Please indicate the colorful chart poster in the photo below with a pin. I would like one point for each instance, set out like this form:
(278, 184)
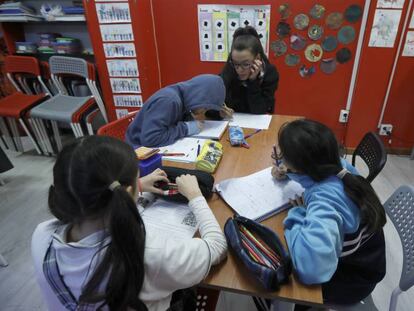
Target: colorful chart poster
(390, 4)
(118, 32)
(122, 85)
(109, 13)
(122, 68)
(409, 45)
(114, 50)
(217, 23)
(385, 28)
(128, 100)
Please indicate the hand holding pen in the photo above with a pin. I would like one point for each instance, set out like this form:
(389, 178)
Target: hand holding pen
(279, 170)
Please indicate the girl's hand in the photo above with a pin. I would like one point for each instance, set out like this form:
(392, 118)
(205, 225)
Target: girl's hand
(255, 70)
(297, 201)
(147, 182)
(279, 171)
(188, 186)
(226, 112)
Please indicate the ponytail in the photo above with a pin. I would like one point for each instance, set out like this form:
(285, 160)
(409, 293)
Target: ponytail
(124, 257)
(90, 179)
(363, 195)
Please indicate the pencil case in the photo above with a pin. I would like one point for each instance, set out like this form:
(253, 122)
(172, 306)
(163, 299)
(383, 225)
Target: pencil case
(210, 156)
(260, 250)
(205, 182)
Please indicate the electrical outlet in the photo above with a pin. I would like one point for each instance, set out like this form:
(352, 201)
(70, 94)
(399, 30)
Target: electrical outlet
(385, 129)
(343, 116)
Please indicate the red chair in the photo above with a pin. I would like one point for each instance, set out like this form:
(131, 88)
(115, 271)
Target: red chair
(14, 107)
(117, 128)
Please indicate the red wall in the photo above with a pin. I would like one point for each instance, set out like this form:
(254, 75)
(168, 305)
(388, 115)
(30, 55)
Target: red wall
(322, 96)
(373, 77)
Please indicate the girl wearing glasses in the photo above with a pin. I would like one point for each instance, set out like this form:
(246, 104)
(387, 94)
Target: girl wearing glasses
(250, 80)
(98, 254)
(334, 232)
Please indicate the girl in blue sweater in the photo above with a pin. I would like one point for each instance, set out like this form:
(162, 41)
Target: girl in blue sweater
(334, 232)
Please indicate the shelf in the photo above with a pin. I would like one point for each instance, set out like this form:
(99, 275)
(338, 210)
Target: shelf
(39, 19)
(46, 56)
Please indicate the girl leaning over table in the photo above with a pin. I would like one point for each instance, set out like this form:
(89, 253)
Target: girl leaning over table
(334, 231)
(96, 253)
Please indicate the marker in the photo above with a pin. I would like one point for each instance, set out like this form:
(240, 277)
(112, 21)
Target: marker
(278, 162)
(198, 149)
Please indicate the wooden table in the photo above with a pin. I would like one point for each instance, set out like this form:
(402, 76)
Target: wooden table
(231, 275)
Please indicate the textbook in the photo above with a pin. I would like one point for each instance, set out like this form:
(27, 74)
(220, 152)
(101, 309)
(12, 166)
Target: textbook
(258, 196)
(212, 129)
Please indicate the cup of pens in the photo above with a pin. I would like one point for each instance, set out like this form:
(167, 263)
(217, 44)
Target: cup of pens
(260, 250)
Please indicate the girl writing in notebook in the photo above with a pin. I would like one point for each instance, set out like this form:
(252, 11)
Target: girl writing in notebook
(97, 252)
(334, 232)
(250, 80)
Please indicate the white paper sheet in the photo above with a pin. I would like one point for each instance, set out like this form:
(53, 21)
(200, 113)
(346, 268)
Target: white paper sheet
(118, 32)
(390, 4)
(252, 121)
(385, 28)
(212, 129)
(113, 12)
(187, 145)
(256, 195)
(409, 44)
(169, 219)
(411, 25)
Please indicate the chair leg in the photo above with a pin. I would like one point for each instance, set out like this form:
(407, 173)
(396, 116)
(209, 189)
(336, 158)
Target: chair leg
(26, 129)
(394, 298)
(16, 135)
(56, 134)
(3, 262)
(39, 137)
(7, 136)
(45, 137)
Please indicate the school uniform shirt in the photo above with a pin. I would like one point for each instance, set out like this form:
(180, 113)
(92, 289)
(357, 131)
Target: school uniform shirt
(251, 96)
(170, 264)
(162, 119)
(328, 243)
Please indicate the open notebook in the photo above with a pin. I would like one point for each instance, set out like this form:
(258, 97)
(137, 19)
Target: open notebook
(187, 145)
(212, 129)
(258, 196)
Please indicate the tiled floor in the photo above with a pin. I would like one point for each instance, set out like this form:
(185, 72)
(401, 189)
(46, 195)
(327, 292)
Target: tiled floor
(23, 205)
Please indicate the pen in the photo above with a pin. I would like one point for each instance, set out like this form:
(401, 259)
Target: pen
(278, 162)
(250, 135)
(198, 149)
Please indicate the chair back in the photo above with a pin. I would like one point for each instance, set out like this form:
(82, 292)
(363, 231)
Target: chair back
(371, 149)
(117, 129)
(69, 66)
(400, 209)
(22, 65)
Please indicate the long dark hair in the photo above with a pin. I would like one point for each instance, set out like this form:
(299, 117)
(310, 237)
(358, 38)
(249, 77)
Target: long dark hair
(82, 175)
(312, 149)
(244, 38)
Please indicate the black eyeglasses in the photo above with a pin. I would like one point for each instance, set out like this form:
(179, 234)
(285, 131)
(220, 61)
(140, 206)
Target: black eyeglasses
(244, 66)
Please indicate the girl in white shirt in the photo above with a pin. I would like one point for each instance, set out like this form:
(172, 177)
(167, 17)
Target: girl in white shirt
(96, 254)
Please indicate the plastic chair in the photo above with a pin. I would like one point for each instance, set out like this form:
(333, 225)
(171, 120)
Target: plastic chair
(372, 151)
(400, 209)
(117, 128)
(15, 106)
(206, 299)
(62, 107)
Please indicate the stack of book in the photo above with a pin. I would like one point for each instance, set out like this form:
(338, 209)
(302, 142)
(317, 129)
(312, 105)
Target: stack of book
(16, 11)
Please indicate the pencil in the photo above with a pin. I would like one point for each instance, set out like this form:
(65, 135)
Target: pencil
(250, 135)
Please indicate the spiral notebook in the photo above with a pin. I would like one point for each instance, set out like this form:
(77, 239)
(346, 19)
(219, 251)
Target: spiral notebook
(258, 196)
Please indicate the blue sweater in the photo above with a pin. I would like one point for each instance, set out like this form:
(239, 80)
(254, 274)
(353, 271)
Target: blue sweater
(315, 234)
(161, 121)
